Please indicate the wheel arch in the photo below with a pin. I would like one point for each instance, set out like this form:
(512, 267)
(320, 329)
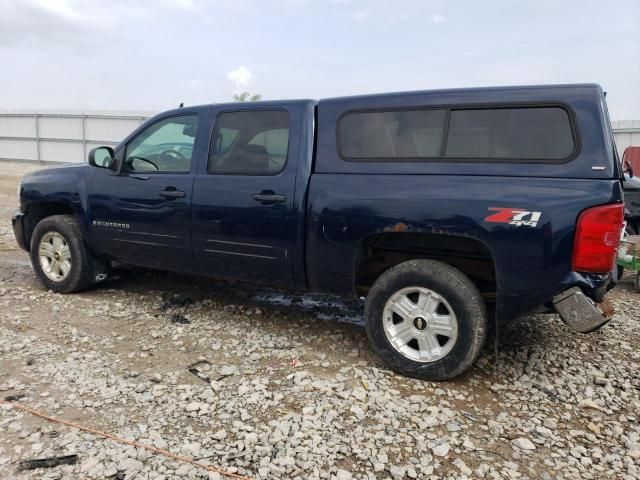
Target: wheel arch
(379, 252)
(38, 211)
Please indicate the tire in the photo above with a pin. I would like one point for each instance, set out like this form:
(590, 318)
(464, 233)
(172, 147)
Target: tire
(633, 228)
(455, 294)
(50, 230)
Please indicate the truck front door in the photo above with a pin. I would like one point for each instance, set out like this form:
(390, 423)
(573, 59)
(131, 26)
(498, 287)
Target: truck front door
(142, 214)
(245, 221)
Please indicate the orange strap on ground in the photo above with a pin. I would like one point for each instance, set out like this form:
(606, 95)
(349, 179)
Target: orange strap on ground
(159, 451)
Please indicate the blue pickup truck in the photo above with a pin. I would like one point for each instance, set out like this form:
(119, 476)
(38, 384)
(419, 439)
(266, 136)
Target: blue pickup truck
(443, 208)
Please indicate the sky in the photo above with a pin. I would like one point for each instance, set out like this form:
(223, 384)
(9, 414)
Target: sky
(139, 55)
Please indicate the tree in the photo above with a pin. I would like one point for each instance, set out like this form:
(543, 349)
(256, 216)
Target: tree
(246, 97)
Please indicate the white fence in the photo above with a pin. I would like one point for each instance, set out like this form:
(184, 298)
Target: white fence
(68, 137)
(61, 137)
(626, 133)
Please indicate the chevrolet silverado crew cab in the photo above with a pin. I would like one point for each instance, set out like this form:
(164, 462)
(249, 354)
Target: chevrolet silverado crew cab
(437, 206)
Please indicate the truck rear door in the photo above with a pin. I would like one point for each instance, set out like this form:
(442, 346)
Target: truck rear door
(245, 217)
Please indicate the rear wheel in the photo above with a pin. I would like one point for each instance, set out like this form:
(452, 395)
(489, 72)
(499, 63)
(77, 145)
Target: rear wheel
(59, 256)
(426, 319)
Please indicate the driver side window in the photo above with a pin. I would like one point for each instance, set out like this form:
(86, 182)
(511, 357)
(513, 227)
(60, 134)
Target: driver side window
(166, 146)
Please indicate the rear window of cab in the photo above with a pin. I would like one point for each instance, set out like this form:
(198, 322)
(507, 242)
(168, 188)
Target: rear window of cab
(525, 134)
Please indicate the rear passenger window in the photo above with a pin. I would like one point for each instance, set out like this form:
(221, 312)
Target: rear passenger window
(250, 143)
(540, 133)
(389, 135)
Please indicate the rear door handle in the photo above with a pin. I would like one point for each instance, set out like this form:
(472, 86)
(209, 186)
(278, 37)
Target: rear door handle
(269, 197)
(171, 193)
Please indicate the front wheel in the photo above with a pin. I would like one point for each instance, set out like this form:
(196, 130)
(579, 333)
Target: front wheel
(426, 319)
(59, 256)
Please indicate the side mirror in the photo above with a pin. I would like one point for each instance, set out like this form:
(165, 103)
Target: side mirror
(626, 168)
(189, 130)
(101, 157)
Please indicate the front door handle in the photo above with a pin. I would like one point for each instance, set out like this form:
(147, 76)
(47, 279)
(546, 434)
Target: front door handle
(268, 197)
(171, 193)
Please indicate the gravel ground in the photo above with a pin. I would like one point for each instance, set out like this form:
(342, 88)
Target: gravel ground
(285, 387)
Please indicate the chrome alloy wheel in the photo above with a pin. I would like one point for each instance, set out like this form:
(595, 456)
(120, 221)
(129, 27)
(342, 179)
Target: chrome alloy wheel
(420, 324)
(55, 256)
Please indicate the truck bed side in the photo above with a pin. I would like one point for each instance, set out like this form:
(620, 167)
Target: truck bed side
(352, 217)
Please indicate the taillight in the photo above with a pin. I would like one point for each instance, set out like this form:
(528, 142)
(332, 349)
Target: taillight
(597, 238)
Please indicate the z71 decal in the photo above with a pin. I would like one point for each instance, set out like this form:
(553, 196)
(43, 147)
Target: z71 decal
(513, 216)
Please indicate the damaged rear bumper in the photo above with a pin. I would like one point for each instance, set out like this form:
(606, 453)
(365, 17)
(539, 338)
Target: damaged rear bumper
(580, 313)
